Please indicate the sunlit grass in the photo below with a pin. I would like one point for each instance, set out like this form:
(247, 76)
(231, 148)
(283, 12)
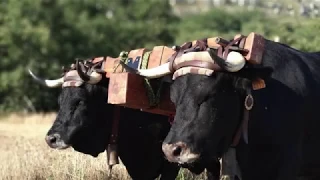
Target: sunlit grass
(25, 155)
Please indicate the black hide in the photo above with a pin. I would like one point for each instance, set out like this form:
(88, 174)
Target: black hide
(283, 125)
(84, 122)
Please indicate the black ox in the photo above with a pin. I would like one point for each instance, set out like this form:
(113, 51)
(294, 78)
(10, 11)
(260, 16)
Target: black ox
(282, 138)
(84, 122)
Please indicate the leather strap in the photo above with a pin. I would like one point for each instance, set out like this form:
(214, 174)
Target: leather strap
(200, 45)
(200, 64)
(224, 51)
(178, 53)
(72, 78)
(243, 128)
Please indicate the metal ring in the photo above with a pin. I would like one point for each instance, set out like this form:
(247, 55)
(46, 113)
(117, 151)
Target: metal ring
(248, 102)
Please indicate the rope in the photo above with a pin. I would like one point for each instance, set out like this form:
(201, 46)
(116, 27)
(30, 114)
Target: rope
(154, 99)
(159, 92)
(123, 57)
(150, 92)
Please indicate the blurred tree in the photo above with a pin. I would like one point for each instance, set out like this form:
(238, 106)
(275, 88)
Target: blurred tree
(302, 35)
(46, 34)
(220, 22)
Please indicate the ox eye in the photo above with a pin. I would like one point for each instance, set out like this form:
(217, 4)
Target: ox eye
(77, 103)
(80, 102)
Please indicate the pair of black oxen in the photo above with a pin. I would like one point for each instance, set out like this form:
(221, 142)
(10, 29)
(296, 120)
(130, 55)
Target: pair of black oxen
(282, 139)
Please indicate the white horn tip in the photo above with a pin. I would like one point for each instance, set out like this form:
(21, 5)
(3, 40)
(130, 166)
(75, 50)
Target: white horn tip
(33, 75)
(49, 83)
(236, 61)
(30, 72)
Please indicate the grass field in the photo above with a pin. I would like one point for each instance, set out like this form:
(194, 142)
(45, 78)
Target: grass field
(24, 154)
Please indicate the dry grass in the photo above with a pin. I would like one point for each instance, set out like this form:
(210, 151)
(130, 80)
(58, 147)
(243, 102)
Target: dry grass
(25, 155)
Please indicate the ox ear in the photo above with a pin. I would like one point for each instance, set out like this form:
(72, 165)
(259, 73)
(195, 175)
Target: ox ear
(252, 72)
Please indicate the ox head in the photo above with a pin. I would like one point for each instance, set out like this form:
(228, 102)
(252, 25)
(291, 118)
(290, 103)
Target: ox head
(209, 103)
(81, 121)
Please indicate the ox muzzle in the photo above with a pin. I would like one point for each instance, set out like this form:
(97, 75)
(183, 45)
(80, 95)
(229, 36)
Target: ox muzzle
(179, 153)
(54, 141)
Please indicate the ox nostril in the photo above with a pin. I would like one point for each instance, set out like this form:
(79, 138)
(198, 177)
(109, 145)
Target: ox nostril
(174, 151)
(55, 141)
(177, 151)
(52, 139)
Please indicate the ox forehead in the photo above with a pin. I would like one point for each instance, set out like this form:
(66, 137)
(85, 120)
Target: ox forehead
(72, 79)
(90, 76)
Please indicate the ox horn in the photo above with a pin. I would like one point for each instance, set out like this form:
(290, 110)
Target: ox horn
(80, 69)
(93, 78)
(233, 63)
(152, 73)
(46, 82)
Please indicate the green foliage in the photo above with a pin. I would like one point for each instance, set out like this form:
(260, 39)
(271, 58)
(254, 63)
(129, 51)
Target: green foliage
(46, 34)
(298, 33)
(219, 22)
(301, 36)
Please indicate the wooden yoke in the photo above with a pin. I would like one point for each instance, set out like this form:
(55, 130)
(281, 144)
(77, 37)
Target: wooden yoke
(129, 90)
(254, 43)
